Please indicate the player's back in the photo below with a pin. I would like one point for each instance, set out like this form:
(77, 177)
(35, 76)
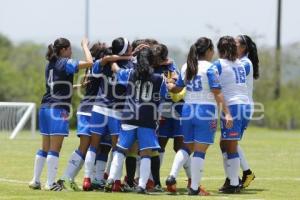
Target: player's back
(143, 98)
(233, 81)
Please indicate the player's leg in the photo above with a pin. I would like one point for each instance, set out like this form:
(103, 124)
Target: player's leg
(147, 140)
(126, 140)
(98, 128)
(41, 155)
(131, 166)
(77, 158)
(230, 139)
(183, 154)
(248, 175)
(100, 165)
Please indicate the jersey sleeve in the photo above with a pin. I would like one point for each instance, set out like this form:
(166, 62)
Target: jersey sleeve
(247, 66)
(213, 75)
(72, 66)
(96, 69)
(180, 81)
(123, 76)
(172, 67)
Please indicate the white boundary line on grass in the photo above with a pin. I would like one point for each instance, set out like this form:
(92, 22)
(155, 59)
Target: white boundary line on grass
(180, 178)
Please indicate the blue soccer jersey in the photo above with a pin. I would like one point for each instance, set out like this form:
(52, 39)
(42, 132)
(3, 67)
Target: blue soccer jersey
(111, 94)
(59, 83)
(143, 98)
(91, 89)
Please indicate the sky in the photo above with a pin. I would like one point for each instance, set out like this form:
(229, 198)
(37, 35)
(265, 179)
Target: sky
(174, 22)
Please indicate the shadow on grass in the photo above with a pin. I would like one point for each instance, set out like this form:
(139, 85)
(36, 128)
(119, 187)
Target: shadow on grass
(183, 191)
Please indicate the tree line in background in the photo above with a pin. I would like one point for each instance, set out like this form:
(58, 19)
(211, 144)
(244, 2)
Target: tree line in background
(22, 79)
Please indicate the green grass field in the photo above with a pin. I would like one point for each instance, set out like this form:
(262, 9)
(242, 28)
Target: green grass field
(274, 156)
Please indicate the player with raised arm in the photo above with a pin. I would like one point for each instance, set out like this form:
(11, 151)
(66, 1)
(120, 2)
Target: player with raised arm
(55, 107)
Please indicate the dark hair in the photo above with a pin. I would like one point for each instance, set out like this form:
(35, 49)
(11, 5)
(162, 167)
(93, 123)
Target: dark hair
(54, 49)
(197, 51)
(227, 48)
(98, 50)
(144, 68)
(117, 45)
(160, 52)
(147, 41)
(251, 50)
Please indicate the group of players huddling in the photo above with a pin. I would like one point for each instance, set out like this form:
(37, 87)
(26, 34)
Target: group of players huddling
(135, 100)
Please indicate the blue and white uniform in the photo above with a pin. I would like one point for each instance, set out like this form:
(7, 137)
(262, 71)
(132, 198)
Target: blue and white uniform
(232, 78)
(109, 102)
(199, 113)
(84, 112)
(140, 114)
(246, 62)
(169, 127)
(56, 102)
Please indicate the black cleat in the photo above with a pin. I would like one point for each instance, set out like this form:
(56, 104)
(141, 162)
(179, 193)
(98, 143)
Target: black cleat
(231, 189)
(171, 184)
(226, 184)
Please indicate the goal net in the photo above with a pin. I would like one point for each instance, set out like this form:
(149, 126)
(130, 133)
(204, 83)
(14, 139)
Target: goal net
(15, 115)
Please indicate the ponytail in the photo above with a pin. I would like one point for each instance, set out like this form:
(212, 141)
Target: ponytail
(251, 50)
(51, 55)
(197, 52)
(54, 49)
(192, 64)
(144, 64)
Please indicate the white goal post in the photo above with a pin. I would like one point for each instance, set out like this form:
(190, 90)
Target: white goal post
(14, 115)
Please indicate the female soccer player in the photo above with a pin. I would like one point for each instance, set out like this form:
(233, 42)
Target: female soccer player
(232, 76)
(101, 55)
(108, 103)
(199, 113)
(169, 126)
(55, 107)
(143, 96)
(247, 54)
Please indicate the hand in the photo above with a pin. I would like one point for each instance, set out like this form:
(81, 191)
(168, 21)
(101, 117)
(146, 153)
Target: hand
(84, 42)
(228, 121)
(140, 47)
(170, 86)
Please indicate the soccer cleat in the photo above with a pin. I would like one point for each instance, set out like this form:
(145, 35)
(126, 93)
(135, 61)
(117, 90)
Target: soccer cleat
(68, 185)
(98, 185)
(109, 185)
(247, 179)
(34, 185)
(128, 188)
(87, 185)
(157, 188)
(201, 191)
(117, 186)
(54, 187)
(226, 184)
(231, 189)
(150, 184)
(171, 184)
(140, 190)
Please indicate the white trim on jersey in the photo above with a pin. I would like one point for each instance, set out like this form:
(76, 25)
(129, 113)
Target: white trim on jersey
(107, 112)
(84, 113)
